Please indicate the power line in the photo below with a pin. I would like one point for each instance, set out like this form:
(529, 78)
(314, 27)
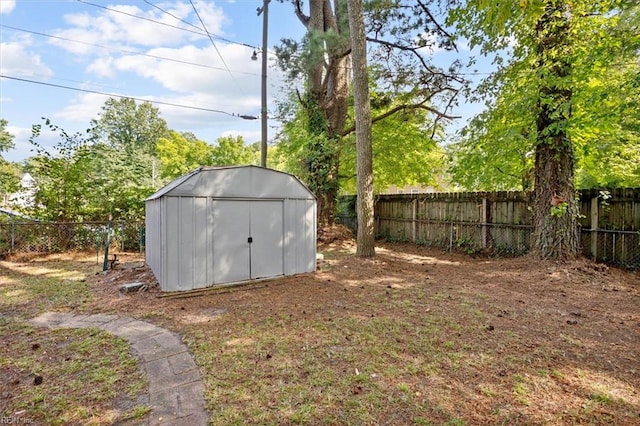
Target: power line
(130, 52)
(171, 14)
(204, 27)
(243, 116)
(195, 26)
(198, 32)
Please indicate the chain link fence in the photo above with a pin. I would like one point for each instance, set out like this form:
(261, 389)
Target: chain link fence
(614, 247)
(56, 237)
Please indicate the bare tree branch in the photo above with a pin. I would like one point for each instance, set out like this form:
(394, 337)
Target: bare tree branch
(415, 53)
(426, 10)
(404, 107)
(297, 4)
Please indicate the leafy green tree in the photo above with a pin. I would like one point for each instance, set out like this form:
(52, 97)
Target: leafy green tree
(180, 153)
(9, 172)
(496, 149)
(400, 37)
(127, 168)
(405, 151)
(323, 59)
(230, 150)
(107, 172)
(121, 181)
(63, 192)
(125, 125)
(6, 138)
(540, 97)
(607, 129)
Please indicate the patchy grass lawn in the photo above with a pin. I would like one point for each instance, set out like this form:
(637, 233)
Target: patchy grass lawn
(63, 376)
(414, 336)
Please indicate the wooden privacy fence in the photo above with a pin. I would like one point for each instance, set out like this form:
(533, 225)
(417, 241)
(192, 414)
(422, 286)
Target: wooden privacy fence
(500, 222)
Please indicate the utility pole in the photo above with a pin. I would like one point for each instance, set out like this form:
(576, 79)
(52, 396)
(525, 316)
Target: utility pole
(264, 10)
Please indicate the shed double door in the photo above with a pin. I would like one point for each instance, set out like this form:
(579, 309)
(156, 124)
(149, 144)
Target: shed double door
(248, 240)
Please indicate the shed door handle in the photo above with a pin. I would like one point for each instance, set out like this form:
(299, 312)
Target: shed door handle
(250, 240)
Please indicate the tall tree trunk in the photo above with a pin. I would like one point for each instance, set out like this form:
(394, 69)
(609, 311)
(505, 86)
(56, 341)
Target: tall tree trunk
(364, 151)
(555, 207)
(326, 100)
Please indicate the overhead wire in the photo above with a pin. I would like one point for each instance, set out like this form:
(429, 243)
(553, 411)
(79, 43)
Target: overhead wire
(199, 31)
(130, 52)
(204, 27)
(204, 33)
(166, 12)
(60, 86)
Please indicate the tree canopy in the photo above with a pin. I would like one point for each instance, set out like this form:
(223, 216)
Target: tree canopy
(495, 150)
(110, 169)
(567, 80)
(544, 106)
(400, 38)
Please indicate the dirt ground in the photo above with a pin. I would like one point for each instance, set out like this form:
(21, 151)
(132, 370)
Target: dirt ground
(593, 300)
(544, 315)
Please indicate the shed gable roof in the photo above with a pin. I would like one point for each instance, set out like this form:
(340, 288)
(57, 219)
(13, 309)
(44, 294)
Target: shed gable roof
(235, 182)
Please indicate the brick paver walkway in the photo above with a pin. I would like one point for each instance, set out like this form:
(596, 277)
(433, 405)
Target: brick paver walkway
(175, 386)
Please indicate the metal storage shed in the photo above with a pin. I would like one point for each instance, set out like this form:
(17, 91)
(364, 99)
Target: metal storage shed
(219, 225)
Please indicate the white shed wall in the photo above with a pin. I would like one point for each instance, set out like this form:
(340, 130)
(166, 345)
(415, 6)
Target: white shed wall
(199, 225)
(188, 243)
(153, 237)
(300, 236)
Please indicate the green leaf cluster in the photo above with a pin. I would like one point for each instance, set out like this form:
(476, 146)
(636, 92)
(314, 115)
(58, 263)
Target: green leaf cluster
(9, 172)
(405, 151)
(495, 150)
(126, 155)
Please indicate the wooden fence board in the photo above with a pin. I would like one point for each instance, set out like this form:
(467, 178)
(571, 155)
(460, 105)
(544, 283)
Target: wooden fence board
(501, 221)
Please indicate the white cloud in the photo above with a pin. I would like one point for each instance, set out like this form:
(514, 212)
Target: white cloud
(6, 6)
(182, 77)
(18, 61)
(236, 92)
(122, 27)
(82, 108)
(102, 67)
(23, 147)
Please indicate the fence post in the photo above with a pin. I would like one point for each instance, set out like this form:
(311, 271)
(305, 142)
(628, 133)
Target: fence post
(451, 238)
(485, 218)
(414, 216)
(594, 227)
(13, 236)
(105, 263)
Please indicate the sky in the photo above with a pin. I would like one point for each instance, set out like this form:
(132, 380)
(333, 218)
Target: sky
(84, 46)
(62, 59)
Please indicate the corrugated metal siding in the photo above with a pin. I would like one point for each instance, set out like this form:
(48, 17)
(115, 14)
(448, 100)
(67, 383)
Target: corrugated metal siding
(185, 251)
(231, 220)
(300, 236)
(188, 250)
(237, 182)
(171, 228)
(153, 237)
(267, 232)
